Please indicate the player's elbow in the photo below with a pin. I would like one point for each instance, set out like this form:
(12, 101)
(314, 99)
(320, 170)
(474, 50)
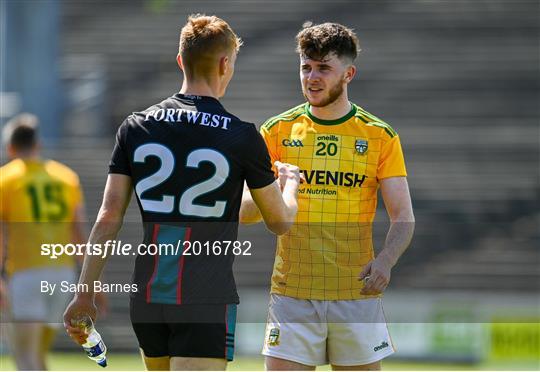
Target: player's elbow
(249, 220)
(279, 228)
(249, 216)
(111, 217)
(402, 215)
(281, 224)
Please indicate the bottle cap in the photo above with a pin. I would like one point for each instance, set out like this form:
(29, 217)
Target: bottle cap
(103, 362)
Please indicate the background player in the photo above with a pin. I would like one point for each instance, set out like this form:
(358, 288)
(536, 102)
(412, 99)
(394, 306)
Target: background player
(41, 201)
(321, 310)
(187, 159)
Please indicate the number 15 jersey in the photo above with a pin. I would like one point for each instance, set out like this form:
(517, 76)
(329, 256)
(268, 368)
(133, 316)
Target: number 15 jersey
(39, 199)
(188, 159)
(343, 161)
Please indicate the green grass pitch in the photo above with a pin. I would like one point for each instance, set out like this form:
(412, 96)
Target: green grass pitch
(73, 361)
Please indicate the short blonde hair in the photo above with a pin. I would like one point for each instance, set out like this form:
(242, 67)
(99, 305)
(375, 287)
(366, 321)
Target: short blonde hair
(201, 39)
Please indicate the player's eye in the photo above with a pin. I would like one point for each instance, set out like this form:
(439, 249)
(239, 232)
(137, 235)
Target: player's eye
(306, 68)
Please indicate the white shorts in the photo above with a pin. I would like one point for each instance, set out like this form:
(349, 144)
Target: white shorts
(29, 304)
(312, 332)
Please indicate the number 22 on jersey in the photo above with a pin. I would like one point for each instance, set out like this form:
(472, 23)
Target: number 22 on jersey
(186, 204)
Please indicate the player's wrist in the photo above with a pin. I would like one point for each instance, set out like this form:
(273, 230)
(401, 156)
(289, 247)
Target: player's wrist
(388, 258)
(86, 296)
(292, 183)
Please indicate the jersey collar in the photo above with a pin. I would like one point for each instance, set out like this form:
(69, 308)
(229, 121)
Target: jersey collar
(330, 122)
(195, 98)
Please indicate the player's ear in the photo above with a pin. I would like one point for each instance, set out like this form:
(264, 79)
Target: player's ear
(350, 72)
(223, 65)
(179, 61)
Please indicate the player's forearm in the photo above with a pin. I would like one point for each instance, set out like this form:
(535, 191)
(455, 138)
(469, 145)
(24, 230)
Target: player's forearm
(282, 219)
(249, 212)
(93, 265)
(290, 198)
(398, 239)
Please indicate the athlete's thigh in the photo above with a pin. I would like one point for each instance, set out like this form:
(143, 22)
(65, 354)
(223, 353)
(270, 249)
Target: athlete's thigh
(202, 331)
(375, 366)
(198, 364)
(156, 364)
(151, 331)
(295, 332)
(357, 333)
(278, 364)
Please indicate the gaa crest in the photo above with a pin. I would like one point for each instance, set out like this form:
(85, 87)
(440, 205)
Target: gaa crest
(273, 337)
(361, 146)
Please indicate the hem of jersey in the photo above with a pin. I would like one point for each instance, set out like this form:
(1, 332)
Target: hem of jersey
(374, 359)
(367, 297)
(290, 358)
(393, 175)
(263, 185)
(331, 122)
(119, 171)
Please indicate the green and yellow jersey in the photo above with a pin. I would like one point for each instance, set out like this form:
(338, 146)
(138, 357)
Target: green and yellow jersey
(343, 161)
(38, 202)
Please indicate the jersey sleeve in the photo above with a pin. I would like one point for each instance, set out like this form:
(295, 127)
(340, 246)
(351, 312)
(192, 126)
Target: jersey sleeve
(391, 160)
(73, 183)
(119, 162)
(4, 199)
(258, 169)
(78, 196)
(270, 139)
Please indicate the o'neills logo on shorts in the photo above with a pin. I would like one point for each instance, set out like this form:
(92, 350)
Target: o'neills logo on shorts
(383, 345)
(273, 337)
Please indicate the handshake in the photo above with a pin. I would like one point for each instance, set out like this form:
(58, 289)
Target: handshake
(288, 173)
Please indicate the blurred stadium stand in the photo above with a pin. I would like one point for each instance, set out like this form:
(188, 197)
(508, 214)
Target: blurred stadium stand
(458, 80)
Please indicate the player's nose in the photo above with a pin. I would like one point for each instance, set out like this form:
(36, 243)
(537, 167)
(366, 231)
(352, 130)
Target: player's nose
(313, 76)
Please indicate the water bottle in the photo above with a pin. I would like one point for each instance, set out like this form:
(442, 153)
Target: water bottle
(95, 347)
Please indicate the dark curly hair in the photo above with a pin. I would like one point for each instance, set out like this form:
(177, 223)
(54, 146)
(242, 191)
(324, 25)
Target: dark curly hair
(317, 41)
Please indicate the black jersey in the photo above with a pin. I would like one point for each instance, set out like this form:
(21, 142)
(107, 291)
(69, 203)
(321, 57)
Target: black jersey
(188, 159)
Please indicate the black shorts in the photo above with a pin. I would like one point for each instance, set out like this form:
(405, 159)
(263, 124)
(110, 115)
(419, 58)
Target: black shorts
(193, 331)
